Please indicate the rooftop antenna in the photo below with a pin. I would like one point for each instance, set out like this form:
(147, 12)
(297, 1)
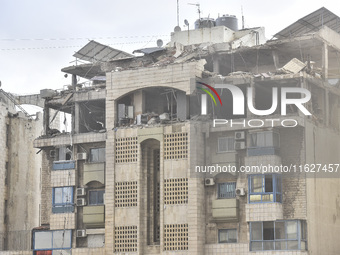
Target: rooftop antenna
(178, 13)
(186, 23)
(198, 9)
(242, 17)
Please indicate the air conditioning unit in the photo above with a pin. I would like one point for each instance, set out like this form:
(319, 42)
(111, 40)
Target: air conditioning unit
(209, 182)
(81, 192)
(81, 156)
(81, 202)
(53, 153)
(240, 191)
(81, 232)
(240, 145)
(240, 135)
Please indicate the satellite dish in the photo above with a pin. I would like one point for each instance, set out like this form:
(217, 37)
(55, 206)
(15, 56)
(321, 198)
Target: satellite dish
(186, 22)
(177, 29)
(159, 43)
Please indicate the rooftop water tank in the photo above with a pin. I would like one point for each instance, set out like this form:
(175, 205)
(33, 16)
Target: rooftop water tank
(204, 23)
(229, 21)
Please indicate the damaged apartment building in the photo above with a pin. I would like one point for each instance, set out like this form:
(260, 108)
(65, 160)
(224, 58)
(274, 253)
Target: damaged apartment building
(124, 180)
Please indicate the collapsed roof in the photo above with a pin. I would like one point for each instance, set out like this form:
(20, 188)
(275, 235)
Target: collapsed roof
(303, 39)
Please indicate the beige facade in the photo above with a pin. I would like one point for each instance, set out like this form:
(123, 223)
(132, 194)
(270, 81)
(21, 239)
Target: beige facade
(20, 176)
(134, 176)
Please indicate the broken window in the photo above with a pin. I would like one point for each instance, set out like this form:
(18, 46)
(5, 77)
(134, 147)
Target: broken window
(226, 190)
(97, 155)
(227, 236)
(91, 116)
(151, 106)
(265, 188)
(226, 144)
(278, 235)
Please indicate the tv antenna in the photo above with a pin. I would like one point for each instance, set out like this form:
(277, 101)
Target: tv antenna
(186, 23)
(198, 9)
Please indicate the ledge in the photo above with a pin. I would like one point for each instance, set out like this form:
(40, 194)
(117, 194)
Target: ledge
(67, 139)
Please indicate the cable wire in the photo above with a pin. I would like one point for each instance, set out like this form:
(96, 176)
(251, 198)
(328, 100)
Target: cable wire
(65, 47)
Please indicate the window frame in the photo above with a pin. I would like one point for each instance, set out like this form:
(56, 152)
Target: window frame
(227, 197)
(227, 138)
(276, 182)
(51, 248)
(298, 239)
(265, 146)
(97, 191)
(227, 230)
(97, 149)
(63, 204)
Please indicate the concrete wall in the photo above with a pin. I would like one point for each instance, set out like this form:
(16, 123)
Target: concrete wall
(323, 194)
(3, 160)
(20, 168)
(24, 181)
(219, 34)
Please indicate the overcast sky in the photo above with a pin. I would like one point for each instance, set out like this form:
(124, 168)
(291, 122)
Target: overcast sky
(39, 37)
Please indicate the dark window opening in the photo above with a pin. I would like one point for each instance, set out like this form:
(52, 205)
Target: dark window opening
(151, 168)
(96, 197)
(227, 236)
(91, 116)
(226, 190)
(152, 106)
(97, 155)
(265, 188)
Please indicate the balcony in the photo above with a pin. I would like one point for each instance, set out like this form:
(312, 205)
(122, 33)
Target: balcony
(94, 216)
(225, 210)
(94, 172)
(64, 165)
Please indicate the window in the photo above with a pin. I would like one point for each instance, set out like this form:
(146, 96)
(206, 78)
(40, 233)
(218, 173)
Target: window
(96, 197)
(226, 144)
(46, 241)
(97, 155)
(264, 139)
(227, 236)
(265, 188)
(226, 190)
(62, 200)
(278, 235)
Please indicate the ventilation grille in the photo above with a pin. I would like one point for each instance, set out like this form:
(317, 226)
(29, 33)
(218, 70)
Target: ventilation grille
(176, 191)
(175, 237)
(126, 150)
(126, 194)
(176, 146)
(126, 239)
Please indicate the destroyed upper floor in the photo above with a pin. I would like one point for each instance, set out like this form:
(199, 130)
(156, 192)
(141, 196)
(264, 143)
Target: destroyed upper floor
(306, 52)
